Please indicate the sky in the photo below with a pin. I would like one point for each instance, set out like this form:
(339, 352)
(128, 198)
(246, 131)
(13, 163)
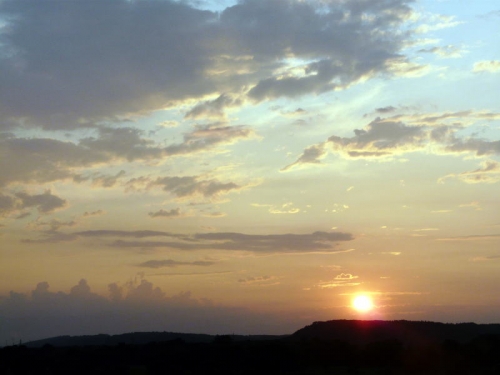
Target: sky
(246, 166)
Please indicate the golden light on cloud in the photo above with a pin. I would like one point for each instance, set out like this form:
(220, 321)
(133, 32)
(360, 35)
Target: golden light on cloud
(362, 303)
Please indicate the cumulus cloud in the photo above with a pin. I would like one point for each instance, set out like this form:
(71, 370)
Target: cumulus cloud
(72, 66)
(230, 241)
(136, 306)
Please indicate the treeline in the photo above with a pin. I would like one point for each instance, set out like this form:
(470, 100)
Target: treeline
(480, 356)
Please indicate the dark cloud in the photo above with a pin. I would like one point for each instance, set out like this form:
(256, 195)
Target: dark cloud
(72, 65)
(136, 306)
(207, 137)
(380, 137)
(189, 186)
(100, 180)
(174, 212)
(42, 160)
(123, 143)
(271, 243)
(448, 51)
(213, 108)
(96, 60)
(7, 204)
(311, 155)
(173, 263)
(45, 203)
(384, 110)
(399, 134)
(480, 147)
(45, 160)
(93, 213)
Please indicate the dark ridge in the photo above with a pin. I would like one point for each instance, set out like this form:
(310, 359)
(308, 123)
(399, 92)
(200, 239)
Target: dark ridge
(137, 338)
(408, 332)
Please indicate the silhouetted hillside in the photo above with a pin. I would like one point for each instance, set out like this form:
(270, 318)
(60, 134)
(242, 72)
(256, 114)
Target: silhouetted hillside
(136, 338)
(408, 332)
(336, 347)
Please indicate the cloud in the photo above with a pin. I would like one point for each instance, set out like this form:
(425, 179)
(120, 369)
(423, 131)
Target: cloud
(230, 241)
(476, 237)
(136, 306)
(380, 138)
(444, 52)
(174, 212)
(207, 137)
(384, 110)
(488, 173)
(485, 258)
(311, 155)
(44, 203)
(259, 280)
(173, 263)
(190, 186)
(285, 208)
(93, 213)
(52, 225)
(77, 65)
(491, 66)
(388, 137)
(213, 108)
(479, 147)
(41, 160)
(104, 181)
(335, 284)
(345, 276)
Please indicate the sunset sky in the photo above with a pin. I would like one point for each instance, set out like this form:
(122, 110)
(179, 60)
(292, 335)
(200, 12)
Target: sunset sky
(247, 167)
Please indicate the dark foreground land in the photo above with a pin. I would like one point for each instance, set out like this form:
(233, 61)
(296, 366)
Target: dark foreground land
(335, 347)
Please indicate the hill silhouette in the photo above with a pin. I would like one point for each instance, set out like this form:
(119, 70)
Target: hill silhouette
(333, 347)
(138, 338)
(408, 332)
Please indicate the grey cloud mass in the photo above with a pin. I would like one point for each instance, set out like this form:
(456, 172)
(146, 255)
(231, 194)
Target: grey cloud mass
(43, 160)
(188, 186)
(45, 203)
(271, 243)
(174, 212)
(400, 134)
(134, 306)
(72, 65)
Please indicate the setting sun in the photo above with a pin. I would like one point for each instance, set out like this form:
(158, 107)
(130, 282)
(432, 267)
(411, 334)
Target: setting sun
(362, 303)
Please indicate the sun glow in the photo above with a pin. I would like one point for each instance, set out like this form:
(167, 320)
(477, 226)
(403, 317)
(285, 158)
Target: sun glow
(362, 303)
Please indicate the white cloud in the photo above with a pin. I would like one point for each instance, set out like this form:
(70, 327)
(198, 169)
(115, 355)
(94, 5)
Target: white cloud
(491, 66)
